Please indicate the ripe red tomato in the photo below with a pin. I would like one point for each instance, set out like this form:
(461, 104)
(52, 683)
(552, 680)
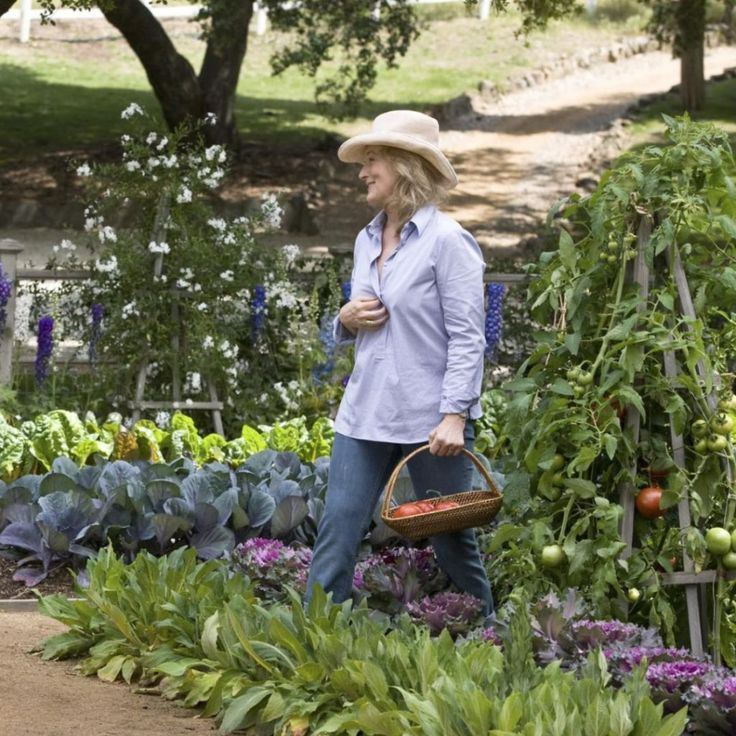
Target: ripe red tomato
(647, 502)
(443, 505)
(425, 506)
(406, 509)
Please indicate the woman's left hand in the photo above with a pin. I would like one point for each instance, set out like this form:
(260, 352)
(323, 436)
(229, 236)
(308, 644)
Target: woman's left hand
(448, 437)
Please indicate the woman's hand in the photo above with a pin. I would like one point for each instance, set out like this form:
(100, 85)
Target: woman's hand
(448, 437)
(363, 313)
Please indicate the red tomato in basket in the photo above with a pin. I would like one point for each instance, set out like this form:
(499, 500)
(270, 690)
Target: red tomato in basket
(425, 506)
(406, 509)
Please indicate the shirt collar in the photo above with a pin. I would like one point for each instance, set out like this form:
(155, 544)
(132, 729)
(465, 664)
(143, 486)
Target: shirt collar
(420, 219)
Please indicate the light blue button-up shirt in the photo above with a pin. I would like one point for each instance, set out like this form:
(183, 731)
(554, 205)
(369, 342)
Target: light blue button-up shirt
(427, 359)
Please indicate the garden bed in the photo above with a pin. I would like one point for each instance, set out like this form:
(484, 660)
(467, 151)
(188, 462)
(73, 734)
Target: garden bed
(59, 581)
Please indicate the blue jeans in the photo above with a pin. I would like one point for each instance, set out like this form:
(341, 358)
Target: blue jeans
(359, 470)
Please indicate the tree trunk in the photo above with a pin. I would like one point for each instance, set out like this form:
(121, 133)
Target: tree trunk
(691, 42)
(172, 77)
(223, 59)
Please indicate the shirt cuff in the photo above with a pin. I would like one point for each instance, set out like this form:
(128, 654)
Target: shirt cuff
(342, 334)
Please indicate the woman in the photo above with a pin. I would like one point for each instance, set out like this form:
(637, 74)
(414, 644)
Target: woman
(416, 316)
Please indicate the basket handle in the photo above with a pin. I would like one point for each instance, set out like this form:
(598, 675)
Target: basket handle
(388, 493)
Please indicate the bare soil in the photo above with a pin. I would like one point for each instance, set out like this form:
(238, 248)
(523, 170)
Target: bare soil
(50, 699)
(58, 581)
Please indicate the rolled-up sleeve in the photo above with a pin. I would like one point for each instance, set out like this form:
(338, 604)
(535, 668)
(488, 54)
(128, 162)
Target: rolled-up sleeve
(460, 270)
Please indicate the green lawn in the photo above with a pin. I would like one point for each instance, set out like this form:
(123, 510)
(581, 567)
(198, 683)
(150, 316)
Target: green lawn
(66, 94)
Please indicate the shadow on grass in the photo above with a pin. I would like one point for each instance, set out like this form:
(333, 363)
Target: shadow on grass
(37, 116)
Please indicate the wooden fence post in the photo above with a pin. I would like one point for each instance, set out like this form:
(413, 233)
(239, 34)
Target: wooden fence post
(25, 20)
(9, 250)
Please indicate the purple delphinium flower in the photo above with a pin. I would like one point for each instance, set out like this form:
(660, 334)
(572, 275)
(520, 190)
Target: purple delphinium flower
(328, 342)
(346, 289)
(494, 318)
(345, 380)
(97, 312)
(258, 309)
(45, 347)
(6, 286)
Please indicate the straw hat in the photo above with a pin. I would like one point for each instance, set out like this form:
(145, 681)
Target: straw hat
(405, 129)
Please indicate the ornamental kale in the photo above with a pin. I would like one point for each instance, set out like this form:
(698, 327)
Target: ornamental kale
(271, 565)
(455, 612)
(396, 576)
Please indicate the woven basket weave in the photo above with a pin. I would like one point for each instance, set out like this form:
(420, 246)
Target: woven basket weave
(476, 507)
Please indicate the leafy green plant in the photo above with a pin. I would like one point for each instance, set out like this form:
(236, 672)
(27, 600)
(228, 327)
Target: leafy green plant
(201, 635)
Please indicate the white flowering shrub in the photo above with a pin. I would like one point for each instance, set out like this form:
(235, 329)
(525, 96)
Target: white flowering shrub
(187, 290)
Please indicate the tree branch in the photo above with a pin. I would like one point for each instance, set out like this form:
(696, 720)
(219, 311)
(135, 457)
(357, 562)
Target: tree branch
(172, 77)
(5, 5)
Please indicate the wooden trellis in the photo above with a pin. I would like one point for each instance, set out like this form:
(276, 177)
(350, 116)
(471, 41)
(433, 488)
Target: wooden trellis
(693, 582)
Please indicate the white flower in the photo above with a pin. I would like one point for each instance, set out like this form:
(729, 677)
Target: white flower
(108, 233)
(188, 402)
(202, 306)
(182, 284)
(169, 161)
(109, 266)
(227, 276)
(271, 211)
(210, 118)
(84, 170)
(196, 381)
(155, 247)
(186, 273)
(151, 138)
(153, 162)
(208, 342)
(184, 196)
(132, 109)
(196, 287)
(163, 418)
(125, 139)
(213, 152)
(162, 144)
(130, 310)
(132, 165)
(291, 252)
(217, 223)
(55, 249)
(68, 245)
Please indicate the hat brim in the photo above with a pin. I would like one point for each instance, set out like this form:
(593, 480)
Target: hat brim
(351, 151)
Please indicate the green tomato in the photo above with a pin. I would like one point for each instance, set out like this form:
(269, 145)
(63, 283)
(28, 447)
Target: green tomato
(579, 391)
(729, 560)
(701, 446)
(718, 541)
(557, 462)
(611, 259)
(728, 403)
(699, 428)
(633, 595)
(721, 423)
(717, 442)
(552, 555)
(558, 479)
(585, 378)
(733, 540)
(572, 375)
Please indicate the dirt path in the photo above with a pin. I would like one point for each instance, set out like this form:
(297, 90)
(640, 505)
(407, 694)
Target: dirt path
(517, 156)
(49, 699)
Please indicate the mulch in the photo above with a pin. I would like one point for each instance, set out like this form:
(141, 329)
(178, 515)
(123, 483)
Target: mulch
(59, 581)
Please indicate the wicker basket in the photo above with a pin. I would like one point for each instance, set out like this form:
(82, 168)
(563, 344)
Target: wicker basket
(476, 507)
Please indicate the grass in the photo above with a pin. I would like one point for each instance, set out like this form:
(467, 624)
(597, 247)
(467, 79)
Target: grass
(66, 89)
(719, 109)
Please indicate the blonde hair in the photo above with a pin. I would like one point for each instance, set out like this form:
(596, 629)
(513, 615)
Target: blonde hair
(417, 183)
